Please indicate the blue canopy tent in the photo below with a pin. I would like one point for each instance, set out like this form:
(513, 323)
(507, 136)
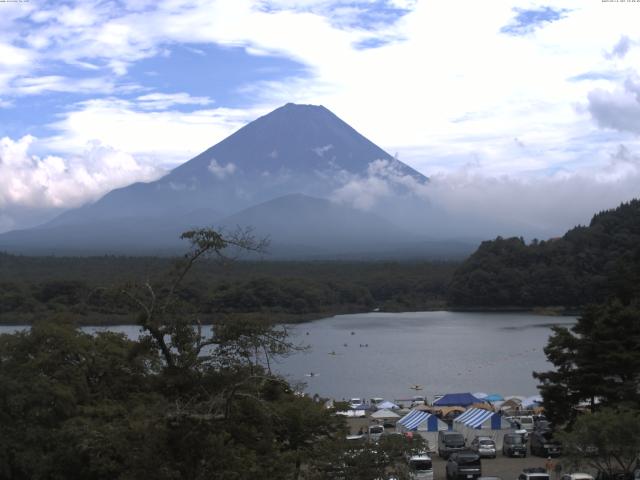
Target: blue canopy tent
(494, 397)
(456, 400)
(479, 422)
(425, 424)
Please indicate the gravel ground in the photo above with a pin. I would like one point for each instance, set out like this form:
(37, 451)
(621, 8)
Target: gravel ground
(503, 467)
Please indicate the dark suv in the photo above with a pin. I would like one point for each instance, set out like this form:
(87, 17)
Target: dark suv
(464, 465)
(449, 442)
(513, 445)
(544, 445)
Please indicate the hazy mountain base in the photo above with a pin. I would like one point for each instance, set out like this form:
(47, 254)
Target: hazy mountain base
(298, 227)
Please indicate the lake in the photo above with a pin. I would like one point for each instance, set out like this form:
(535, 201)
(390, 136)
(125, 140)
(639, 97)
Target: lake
(444, 352)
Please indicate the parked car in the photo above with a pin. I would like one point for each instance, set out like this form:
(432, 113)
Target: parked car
(534, 473)
(464, 465)
(420, 467)
(449, 442)
(418, 400)
(543, 444)
(576, 476)
(484, 446)
(526, 422)
(375, 432)
(513, 445)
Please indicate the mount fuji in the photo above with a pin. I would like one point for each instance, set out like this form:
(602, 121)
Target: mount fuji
(293, 175)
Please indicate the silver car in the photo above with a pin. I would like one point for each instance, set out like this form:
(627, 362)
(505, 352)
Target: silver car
(484, 446)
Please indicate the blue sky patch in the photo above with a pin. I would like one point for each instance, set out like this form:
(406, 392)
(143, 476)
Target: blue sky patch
(211, 71)
(32, 114)
(363, 14)
(370, 43)
(526, 21)
(369, 16)
(594, 76)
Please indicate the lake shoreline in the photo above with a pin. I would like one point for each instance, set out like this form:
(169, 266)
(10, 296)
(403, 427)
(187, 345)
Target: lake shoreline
(290, 318)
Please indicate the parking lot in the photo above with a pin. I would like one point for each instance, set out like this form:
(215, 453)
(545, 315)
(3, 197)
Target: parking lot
(503, 467)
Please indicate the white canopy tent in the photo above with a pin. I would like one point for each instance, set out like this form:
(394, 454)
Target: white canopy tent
(479, 422)
(384, 415)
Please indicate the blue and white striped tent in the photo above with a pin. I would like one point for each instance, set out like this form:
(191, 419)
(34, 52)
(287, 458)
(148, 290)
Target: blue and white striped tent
(425, 424)
(480, 422)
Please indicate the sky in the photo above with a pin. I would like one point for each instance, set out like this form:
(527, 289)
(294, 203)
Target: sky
(527, 109)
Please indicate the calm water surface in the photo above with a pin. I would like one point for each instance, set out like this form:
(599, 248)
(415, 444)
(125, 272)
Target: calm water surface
(442, 351)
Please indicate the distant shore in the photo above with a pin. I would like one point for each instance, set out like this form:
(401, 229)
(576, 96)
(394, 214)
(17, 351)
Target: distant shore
(104, 320)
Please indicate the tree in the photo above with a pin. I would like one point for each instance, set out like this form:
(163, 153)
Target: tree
(606, 441)
(177, 403)
(343, 459)
(597, 362)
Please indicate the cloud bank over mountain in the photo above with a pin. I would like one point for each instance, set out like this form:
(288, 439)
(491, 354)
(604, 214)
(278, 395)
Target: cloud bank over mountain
(510, 92)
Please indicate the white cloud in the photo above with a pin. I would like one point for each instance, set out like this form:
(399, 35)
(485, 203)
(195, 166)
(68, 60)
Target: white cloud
(381, 181)
(167, 136)
(162, 101)
(320, 151)
(448, 91)
(471, 202)
(57, 83)
(222, 171)
(27, 180)
(618, 109)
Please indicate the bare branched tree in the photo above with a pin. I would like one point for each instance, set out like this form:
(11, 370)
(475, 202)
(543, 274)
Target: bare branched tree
(178, 335)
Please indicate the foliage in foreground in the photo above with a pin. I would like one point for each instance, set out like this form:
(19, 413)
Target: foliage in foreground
(73, 405)
(606, 441)
(597, 362)
(177, 403)
(174, 404)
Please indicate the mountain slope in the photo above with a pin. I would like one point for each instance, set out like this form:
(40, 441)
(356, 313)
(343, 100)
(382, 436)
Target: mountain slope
(297, 220)
(294, 149)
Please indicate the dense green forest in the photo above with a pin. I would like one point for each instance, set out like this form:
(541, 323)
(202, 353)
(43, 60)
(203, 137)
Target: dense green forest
(177, 403)
(586, 265)
(90, 287)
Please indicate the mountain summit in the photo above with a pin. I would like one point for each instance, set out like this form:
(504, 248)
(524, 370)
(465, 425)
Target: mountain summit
(295, 149)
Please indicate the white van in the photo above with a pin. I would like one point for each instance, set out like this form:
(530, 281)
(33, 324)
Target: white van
(420, 467)
(526, 423)
(375, 432)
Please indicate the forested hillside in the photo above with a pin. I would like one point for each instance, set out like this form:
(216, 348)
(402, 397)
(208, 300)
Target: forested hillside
(89, 287)
(586, 265)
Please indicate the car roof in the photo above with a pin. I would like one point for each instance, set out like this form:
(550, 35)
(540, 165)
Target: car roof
(421, 456)
(465, 453)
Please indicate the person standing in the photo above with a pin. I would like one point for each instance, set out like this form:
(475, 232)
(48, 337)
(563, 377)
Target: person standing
(549, 466)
